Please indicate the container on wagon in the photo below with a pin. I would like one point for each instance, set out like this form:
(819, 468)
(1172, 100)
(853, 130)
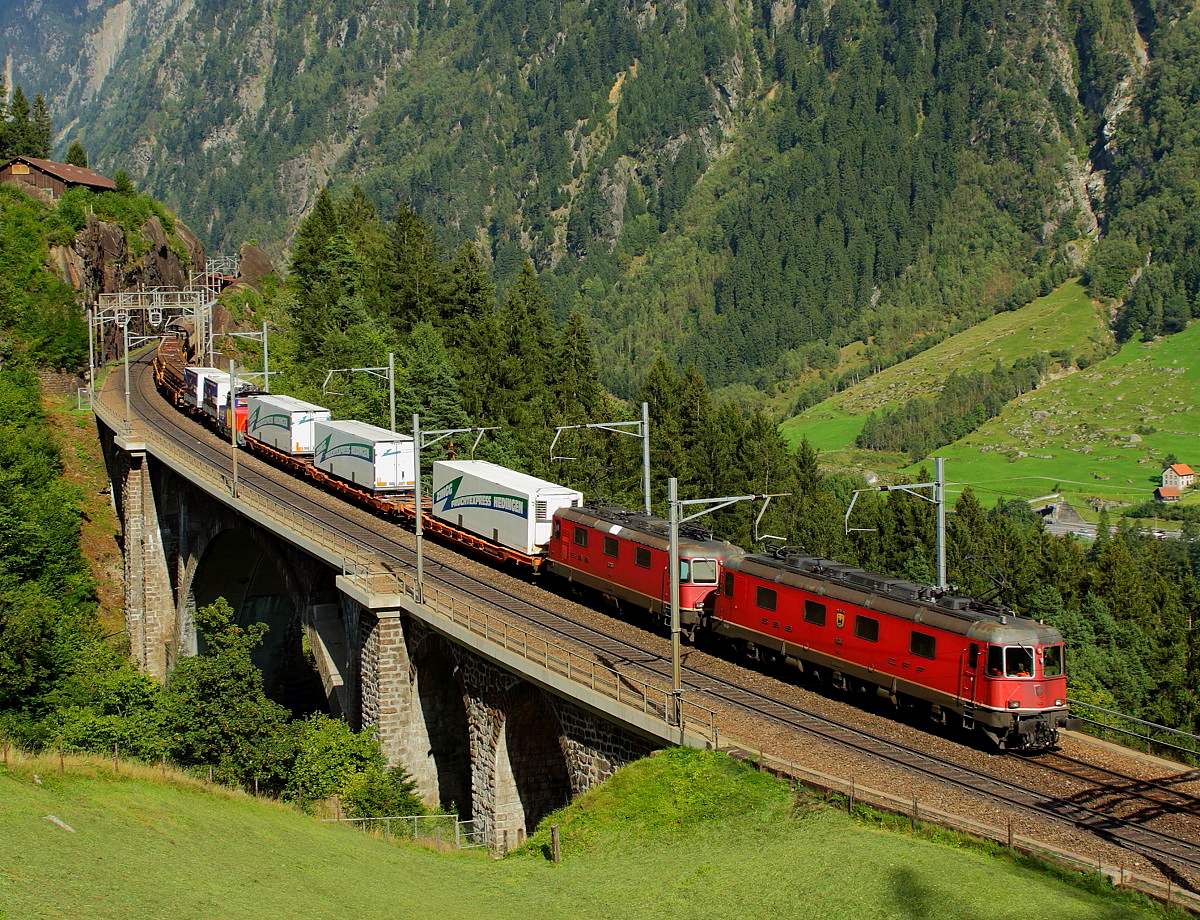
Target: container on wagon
(507, 507)
(193, 384)
(216, 394)
(366, 455)
(284, 422)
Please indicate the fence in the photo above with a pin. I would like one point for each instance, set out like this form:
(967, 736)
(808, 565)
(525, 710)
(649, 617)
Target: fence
(1138, 733)
(855, 795)
(437, 831)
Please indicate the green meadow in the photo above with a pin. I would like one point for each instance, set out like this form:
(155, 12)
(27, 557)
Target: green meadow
(1064, 321)
(684, 833)
(1099, 434)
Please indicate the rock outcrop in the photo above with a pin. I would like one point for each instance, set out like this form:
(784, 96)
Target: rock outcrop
(100, 260)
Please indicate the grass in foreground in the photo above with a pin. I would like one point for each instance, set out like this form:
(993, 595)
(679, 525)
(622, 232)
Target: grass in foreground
(684, 833)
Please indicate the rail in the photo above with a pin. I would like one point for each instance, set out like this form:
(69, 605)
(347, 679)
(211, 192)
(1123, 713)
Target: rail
(362, 567)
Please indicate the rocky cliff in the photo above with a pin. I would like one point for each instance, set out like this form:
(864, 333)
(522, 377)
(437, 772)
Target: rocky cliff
(101, 259)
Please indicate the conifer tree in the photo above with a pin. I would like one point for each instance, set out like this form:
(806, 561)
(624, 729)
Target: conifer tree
(414, 283)
(41, 129)
(20, 123)
(470, 296)
(76, 155)
(578, 394)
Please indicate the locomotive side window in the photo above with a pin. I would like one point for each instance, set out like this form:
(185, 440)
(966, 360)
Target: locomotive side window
(610, 546)
(1052, 661)
(995, 666)
(704, 571)
(766, 598)
(685, 571)
(728, 589)
(866, 628)
(581, 536)
(973, 656)
(922, 645)
(814, 613)
(557, 528)
(641, 557)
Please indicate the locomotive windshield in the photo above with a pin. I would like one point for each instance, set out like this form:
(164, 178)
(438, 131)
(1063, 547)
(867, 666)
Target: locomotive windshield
(698, 571)
(1014, 661)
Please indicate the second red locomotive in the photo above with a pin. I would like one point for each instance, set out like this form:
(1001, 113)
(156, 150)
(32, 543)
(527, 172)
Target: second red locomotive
(959, 657)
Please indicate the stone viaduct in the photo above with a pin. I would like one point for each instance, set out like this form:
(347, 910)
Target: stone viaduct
(505, 728)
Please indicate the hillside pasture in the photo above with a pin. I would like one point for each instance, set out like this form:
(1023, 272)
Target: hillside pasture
(684, 833)
(1064, 322)
(1097, 435)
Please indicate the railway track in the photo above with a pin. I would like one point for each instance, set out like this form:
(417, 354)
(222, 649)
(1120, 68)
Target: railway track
(1109, 807)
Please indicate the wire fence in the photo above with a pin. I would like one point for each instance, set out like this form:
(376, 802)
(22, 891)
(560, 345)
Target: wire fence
(854, 797)
(437, 831)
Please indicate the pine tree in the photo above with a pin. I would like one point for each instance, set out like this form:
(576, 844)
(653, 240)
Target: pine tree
(20, 124)
(578, 394)
(414, 281)
(41, 129)
(470, 296)
(76, 155)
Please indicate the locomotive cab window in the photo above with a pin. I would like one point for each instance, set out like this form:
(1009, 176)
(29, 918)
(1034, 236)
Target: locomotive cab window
(581, 537)
(641, 557)
(727, 589)
(1052, 661)
(610, 546)
(557, 529)
(922, 645)
(704, 571)
(1014, 661)
(766, 598)
(814, 613)
(866, 628)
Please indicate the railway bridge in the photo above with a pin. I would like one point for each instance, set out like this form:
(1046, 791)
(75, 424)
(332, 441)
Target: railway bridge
(504, 721)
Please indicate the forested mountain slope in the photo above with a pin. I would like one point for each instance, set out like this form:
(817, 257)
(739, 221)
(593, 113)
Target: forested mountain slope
(741, 186)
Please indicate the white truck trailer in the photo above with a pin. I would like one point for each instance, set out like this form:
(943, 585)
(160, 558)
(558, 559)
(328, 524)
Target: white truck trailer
(193, 384)
(284, 422)
(366, 455)
(512, 509)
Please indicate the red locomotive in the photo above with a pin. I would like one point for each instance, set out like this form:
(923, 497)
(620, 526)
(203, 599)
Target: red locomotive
(623, 555)
(981, 663)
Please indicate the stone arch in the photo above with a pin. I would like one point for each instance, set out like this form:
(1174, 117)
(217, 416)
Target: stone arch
(439, 746)
(237, 564)
(532, 777)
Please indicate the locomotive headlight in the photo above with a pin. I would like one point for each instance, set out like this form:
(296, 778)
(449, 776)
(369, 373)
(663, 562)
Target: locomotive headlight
(1058, 702)
(1014, 704)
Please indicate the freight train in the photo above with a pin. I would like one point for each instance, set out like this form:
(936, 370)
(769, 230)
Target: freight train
(961, 660)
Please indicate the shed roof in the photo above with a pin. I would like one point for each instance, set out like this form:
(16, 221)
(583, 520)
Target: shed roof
(72, 175)
(1167, 492)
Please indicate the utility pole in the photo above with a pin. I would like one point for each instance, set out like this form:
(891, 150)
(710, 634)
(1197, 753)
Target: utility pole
(640, 429)
(233, 421)
(674, 510)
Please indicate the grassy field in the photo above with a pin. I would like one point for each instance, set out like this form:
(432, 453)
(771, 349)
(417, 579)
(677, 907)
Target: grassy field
(680, 834)
(1095, 435)
(1065, 321)
(1098, 434)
